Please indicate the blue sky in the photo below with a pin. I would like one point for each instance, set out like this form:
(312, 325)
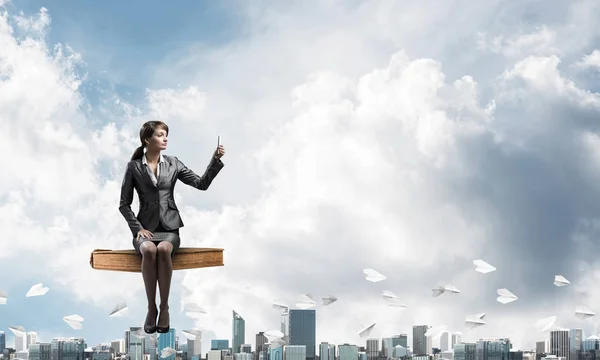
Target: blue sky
(412, 138)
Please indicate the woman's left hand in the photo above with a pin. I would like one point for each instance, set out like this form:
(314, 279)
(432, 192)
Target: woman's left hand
(219, 152)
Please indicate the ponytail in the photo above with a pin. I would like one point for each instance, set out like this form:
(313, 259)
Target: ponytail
(138, 153)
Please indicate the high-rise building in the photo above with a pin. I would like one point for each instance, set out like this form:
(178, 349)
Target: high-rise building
(194, 347)
(464, 351)
(445, 341)
(136, 345)
(261, 344)
(166, 340)
(456, 339)
(31, 338)
(285, 324)
(303, 330)
(2, 341)
(326, 351)
(39, 351)
(238, 332)
(219, 344)
(372, 349)
(559, 343)
(575, 343)
(347, 352)
(67, 349)
(421, 343)
(294, 352)
(492, 349)
(542, 346)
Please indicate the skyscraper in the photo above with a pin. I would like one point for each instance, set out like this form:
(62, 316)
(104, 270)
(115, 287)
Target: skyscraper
(559, 343)
(238, 332)
(303, 330)
(421, 343)
(166, 340)
(2, 341)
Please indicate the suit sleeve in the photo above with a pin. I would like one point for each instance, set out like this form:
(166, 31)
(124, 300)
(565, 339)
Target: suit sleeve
(190, 178)
(126, 200)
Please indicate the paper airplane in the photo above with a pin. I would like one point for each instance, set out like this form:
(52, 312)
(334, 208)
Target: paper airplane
(446, 288)
(366, 331)
(305, 301)
(476, 320)
(166, 352)
(275, 338)
(560, 281)
(505, 296)
(329, 300)
(3, 298)
(279, 305)
(139, 333)
(483, 267)
(119, 310)
(392, 299)
(584, 312)
(192, 334)
(436, 331)
(373, 276)
(546, 324)
(193, 310)
(37, 290)
(75, 321)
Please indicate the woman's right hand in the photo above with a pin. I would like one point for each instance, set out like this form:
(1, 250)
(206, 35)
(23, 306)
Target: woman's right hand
(145, 234)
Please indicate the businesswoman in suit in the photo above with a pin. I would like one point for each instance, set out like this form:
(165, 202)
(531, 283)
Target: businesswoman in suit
(153, 176)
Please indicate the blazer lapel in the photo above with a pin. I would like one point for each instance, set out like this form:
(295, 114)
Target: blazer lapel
(145, 174)
(165, 171)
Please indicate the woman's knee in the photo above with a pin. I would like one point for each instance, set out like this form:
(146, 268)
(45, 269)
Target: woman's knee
(164, 248)
(148, 249)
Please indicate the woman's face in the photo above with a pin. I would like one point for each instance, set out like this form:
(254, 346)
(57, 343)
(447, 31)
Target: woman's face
(158, 141)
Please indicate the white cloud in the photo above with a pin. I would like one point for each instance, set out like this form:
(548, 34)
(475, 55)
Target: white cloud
(357, 157)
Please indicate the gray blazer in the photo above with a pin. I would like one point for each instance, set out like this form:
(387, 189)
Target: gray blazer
(157, 202)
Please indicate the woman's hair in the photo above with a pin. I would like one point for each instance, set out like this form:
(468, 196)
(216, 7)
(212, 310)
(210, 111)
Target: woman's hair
(146, 132)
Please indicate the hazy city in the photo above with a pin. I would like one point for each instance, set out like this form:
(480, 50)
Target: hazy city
(296, 340)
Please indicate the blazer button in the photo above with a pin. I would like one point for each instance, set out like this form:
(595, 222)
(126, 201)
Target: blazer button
(156, 202)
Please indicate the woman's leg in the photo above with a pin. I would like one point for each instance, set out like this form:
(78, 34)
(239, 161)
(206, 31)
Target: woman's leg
(165, 272)
(150, 276)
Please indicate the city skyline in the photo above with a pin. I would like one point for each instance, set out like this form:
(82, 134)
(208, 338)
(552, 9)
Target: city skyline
(409, 138)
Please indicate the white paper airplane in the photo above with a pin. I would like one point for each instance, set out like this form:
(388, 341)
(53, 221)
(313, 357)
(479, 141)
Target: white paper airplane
(446, 288)
(505, 296)
(328, 300)
(166, 352)
(279, 305)
(3, 298)
(305, 301)
(119, 310)
(475, 320)
(546, 324)
(483, 267)
(584, 312)
(392, 299)
(373, 276)
(193, 310)
(75, 321)
(366, 331)
(37, 290)
(560, 280)
(191, 334)
(274, 338)
(436, 331)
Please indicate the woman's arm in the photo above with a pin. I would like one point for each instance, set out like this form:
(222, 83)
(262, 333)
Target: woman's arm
(126, 200)
(190, 178)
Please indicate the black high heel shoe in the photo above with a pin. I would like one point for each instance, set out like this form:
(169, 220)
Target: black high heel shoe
(163, 329)
(151, 329)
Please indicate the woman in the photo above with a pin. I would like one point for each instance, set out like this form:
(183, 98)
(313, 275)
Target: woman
(156, 227)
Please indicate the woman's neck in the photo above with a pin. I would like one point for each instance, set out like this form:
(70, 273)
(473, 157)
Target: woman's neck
(152, 156)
